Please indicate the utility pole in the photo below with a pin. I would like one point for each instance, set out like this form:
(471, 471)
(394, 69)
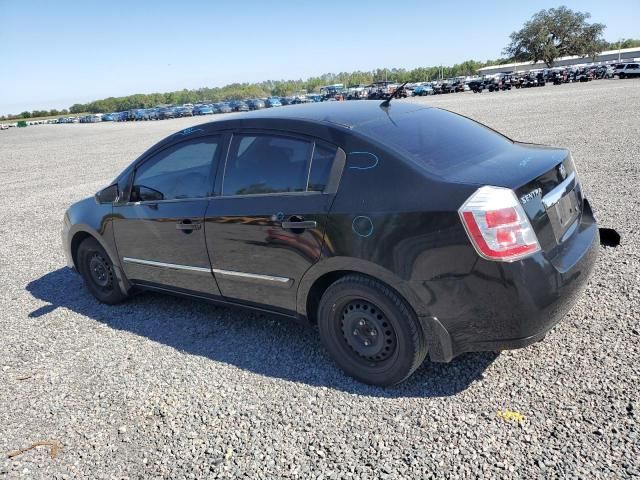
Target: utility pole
(619, 43)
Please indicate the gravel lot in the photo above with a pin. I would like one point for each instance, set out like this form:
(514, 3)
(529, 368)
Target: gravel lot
(161, 387)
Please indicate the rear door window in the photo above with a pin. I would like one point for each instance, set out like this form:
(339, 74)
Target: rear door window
(261, 164)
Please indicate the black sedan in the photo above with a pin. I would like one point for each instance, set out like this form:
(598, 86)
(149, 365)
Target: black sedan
(401, 231)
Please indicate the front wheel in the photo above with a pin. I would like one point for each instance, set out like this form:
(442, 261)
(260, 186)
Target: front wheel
(370, 332)
(97, 271)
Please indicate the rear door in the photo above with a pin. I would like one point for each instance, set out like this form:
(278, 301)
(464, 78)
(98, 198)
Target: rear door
(266, 228)
(159, 231)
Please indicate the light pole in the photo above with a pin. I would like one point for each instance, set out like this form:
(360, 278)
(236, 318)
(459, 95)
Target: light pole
(619, 42)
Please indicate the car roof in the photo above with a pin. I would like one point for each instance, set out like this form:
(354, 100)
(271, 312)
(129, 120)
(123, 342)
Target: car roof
(347, 114)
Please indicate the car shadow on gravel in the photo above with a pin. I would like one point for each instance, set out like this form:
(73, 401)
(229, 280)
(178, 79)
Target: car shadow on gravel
(263, 344)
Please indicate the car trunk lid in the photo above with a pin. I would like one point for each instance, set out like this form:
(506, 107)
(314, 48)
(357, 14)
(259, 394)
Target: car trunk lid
(545, 182)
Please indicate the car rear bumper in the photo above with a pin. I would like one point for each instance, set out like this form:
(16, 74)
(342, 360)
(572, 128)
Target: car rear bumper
(501, 306)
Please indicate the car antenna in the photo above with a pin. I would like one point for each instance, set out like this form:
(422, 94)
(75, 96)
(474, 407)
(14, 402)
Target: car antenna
(386, 103)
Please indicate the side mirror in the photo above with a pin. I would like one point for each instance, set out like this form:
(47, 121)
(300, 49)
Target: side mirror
(140, 193)
(108, 195)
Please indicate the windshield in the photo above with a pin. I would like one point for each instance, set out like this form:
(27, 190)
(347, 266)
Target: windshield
(436, 139)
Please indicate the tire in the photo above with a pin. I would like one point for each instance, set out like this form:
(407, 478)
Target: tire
(369, 331)
(97, 271)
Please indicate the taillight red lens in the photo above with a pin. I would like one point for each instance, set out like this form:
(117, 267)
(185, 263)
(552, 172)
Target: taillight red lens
(495, 218)
(497, 225)
(506, 236)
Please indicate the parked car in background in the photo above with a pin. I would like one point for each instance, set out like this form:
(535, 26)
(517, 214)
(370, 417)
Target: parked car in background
(141, 114)
(165, 113)
(583, 75)
(202, 110)
(184, 111)
(272, 102)
(558, 76)
(457, 86)
(630, 70)
(255, 104)
(605, 71)
(446, 86)
(422, 90)
(222, 107)
(618, 67)
(239, 106)
(477, 85)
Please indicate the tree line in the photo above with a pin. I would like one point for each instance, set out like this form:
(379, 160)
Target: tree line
(237, 91)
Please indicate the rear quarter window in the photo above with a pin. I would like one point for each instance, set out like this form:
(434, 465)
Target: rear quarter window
(437, 140)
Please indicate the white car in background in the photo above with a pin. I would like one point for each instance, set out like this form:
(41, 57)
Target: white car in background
(617, 68)
(630, 70)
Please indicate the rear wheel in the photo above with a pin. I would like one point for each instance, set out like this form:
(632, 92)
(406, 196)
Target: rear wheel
(370, 331)
(97, 271)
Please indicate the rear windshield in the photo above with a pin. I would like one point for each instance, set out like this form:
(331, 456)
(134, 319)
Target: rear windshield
(436, 139)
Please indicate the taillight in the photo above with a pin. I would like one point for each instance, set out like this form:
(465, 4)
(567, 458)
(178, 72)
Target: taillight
(497, 225)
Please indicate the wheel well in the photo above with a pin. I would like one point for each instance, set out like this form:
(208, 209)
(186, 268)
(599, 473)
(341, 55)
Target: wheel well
(323, 282)
(318, 288)
(77, 239)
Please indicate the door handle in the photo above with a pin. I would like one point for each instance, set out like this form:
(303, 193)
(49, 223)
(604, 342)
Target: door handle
(297, 223)
(187, 226)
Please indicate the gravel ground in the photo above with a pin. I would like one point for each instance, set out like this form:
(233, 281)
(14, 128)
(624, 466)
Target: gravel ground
(161, 387)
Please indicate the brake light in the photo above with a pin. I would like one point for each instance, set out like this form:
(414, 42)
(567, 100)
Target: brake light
(497, 225)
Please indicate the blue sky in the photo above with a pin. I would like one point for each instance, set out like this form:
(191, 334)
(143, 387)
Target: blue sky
(56, 53)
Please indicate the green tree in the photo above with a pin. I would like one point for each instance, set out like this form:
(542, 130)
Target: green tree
(623, 43)
(555, 33)
(25, 115)
(77, 108)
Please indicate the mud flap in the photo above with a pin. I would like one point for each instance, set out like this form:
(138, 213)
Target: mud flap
(438, 340)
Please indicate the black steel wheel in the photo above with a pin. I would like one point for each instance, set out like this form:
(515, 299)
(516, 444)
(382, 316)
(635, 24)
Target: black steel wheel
(367, 331)
(98, 273)
(370, 331)
(101, 271)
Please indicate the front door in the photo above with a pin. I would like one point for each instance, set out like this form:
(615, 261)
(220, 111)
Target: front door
(266, 228)
(159, 232)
